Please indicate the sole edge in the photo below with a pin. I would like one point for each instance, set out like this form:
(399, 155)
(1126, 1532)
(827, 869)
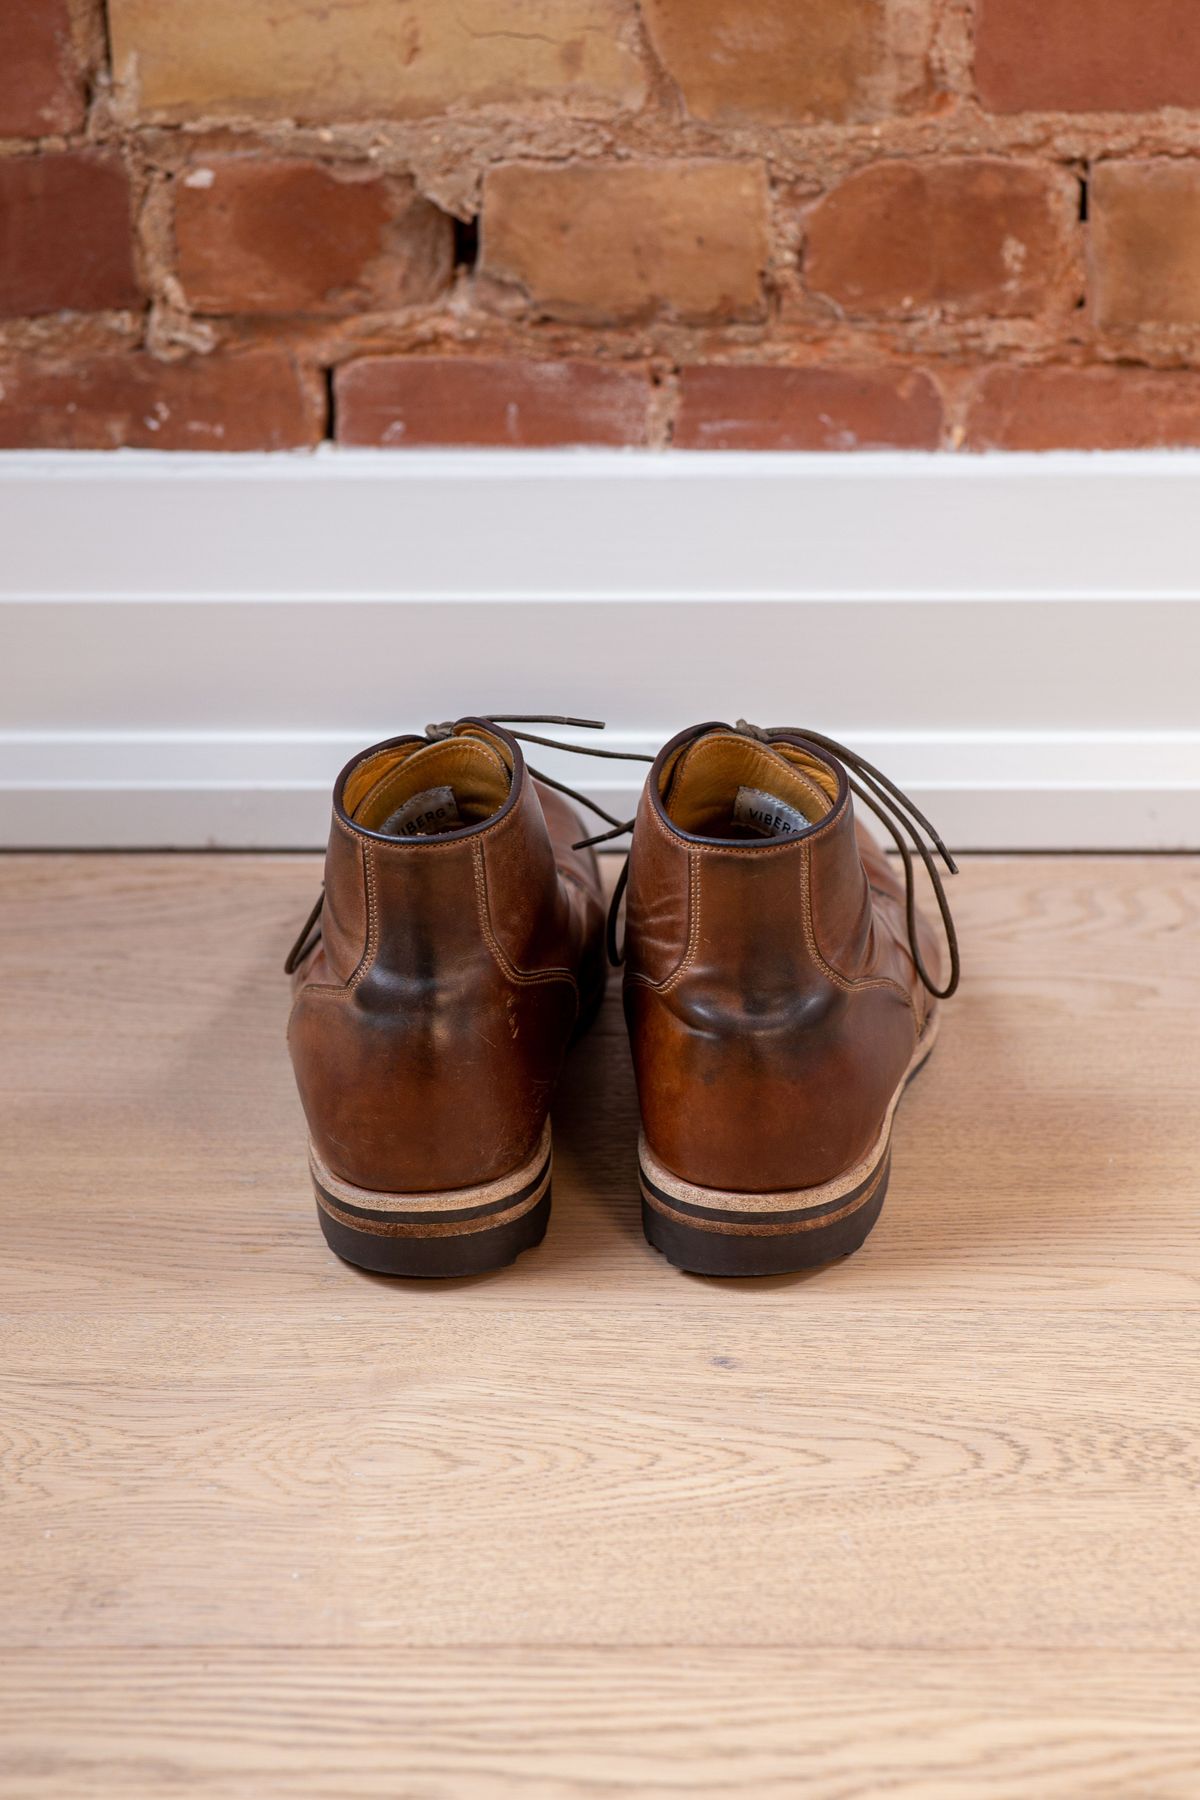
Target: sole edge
(453, 1232)
(707, 1231)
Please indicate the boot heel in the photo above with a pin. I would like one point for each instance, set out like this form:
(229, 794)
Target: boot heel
(458, 1231)
(710, 1231)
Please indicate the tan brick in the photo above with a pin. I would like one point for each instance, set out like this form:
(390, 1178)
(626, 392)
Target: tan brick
(65, 234)
(314, 60)
(1144, 248)
(257, 400)
(407, 401)
(1084, 409)
(41, 83)
(762, 407)
(772, 61)
(622, 241)
(284, 235)
(1087, 55)
(964, 235)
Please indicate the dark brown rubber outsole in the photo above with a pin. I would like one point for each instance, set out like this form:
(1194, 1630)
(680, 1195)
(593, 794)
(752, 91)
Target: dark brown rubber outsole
(739, 1246)
(425, 1257)
(456, 1231)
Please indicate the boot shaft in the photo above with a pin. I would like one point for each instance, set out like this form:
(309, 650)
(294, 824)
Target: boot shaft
(429, 1025)
(770, 1015)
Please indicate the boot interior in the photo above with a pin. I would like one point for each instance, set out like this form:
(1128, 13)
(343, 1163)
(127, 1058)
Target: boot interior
(725, 785)
(427, 789)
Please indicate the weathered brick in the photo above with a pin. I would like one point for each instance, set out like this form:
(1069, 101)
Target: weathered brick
(504, 401)
(281, 235)
(257, 400)
(65, 234)
(41, 83)
(1087, 55)
(778, 63)
(1084, 409)
(622, 241)
(359, 59)
(763, 407)
(964, 235)
(1144, 243)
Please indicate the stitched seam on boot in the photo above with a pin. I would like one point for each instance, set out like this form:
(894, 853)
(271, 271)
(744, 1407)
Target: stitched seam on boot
(520, 977)
(368, 955)
(849, 984)
(693, 937)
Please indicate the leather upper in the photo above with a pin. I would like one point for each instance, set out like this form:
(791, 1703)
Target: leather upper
(772, 998)
(429, 1023)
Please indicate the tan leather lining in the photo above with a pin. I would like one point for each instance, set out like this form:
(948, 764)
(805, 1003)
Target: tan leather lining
(700, 786)
(470, 763)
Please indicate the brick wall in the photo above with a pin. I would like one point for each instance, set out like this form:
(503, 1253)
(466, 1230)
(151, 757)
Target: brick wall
(814, 224)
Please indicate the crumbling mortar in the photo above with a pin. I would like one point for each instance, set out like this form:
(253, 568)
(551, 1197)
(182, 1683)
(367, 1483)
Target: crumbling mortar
(448, 157)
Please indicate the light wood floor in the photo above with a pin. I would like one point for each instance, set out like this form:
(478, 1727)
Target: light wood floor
(925, 1523)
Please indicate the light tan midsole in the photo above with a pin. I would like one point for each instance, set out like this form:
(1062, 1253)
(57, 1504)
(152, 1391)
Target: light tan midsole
(449, 1200)
(793, 1199)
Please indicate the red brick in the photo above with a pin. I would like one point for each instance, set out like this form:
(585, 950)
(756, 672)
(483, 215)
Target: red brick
(283, 235)
(776, 61)
(763, 407)
(41, 83)
(256, 400)
(508, 402)
(65, 234)
(314, 60)
(1084, 409)
(621, 241)
(968, 235)
(1144, 243)
(1087, 55)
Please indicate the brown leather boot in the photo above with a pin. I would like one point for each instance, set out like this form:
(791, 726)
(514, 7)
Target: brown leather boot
(779, 993)
(459, 950)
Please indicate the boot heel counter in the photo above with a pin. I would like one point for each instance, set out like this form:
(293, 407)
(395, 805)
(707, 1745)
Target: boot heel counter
(765, 1101)
(760, 1065)
(413, 1073)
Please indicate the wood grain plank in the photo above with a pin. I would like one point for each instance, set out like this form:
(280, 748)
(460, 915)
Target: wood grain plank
(1049, 1151)
(922, 1523)
(701, 1477)
(308, 1724)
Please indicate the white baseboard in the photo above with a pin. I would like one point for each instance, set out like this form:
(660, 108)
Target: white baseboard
(192, 646)
(984, 792)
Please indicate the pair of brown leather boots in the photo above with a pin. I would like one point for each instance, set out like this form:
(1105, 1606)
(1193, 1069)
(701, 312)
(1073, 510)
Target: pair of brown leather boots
(780, 990)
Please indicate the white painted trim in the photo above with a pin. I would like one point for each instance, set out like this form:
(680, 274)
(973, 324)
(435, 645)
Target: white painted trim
(1132, 791)
(193, 645)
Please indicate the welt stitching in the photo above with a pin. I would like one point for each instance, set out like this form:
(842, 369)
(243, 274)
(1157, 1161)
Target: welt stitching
(520, 977)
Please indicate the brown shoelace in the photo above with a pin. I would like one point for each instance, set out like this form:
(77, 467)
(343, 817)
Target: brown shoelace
(310, 934)
(897, 813)
(890, 805)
